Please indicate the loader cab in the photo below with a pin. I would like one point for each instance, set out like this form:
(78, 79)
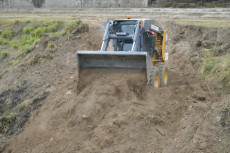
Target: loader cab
(124, 29)
(127, 35)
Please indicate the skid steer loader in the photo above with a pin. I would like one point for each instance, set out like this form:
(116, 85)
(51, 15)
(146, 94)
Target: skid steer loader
(137, 44)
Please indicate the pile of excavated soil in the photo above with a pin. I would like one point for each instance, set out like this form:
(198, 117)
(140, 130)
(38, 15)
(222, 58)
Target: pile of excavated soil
(115, 112)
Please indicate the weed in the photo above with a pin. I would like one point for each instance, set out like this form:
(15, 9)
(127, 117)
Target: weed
(24, 104)
(8, 34)
(55, 34)
(4, 53)
(72, 26)
(204, 36)
(16, 44)
(50, 45)
(38, 32)
(28, 29)
(27, 21)
(214, 47)
(2, 41)
(53, 26)
(29, 39)
(28, 50)
(34, 60)
(10, 63)
(3, 73)
(75, 25)
(16, 21)
(7, 118)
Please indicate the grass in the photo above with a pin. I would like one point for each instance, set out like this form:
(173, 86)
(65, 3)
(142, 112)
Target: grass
(16, 44)
(204, 23)
(38, 32)
(75, 25)
(34, 60)
(8, 34)
(33, 32)
(3, 73)
(7, 118)
(28, 29)
(217, 69)
(51, 45)
(55, 34)
(2, 41)
(4, 54)
(72, 25)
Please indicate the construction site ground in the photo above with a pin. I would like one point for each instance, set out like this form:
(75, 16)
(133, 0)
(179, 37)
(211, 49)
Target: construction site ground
(113, 111)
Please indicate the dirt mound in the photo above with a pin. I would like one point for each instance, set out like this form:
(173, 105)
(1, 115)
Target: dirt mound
(115, 112)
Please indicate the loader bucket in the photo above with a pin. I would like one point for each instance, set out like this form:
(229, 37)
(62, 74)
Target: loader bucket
(123, 60)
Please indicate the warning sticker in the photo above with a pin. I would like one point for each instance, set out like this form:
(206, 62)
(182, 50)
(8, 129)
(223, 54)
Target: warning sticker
(166, 56)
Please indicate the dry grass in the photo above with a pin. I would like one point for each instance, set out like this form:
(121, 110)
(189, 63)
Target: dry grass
(211, 23)
(217, 69)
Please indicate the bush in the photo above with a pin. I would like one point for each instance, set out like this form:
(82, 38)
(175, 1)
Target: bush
(4, 54)
(8, 34)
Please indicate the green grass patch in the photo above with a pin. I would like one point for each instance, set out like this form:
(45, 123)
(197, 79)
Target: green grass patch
(217, 69)
(55, 34)
(2, 41)
(38, 32)
(53, 26)
(4, 54)
(28, 29)
(8, 33)
(15, 43)
(72, 26)
(75, 25)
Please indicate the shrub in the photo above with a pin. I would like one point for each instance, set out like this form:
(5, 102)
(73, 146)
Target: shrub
(4, 54)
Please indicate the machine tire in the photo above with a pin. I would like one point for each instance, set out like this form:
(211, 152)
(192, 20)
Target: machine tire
(154, 78)
(164, 74)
